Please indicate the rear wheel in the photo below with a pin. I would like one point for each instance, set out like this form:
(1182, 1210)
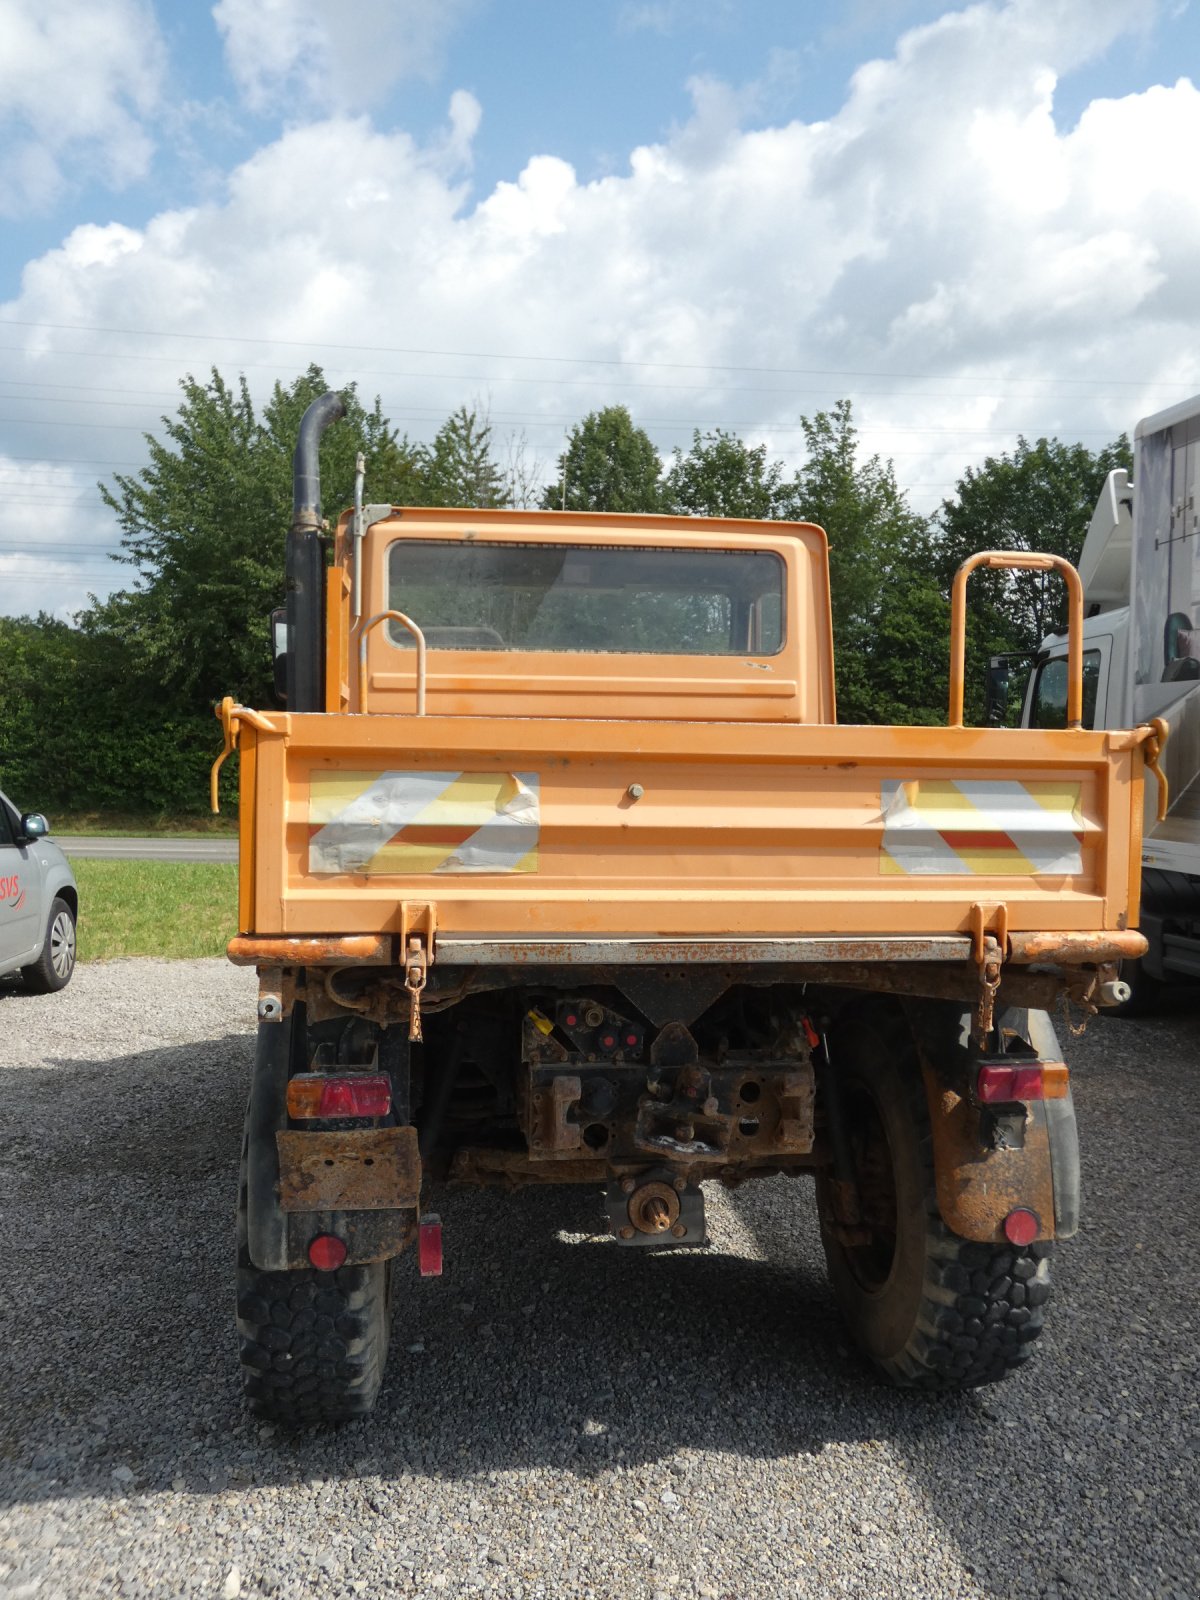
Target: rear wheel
(53, 968)
(931, 1309)
(313, 1344)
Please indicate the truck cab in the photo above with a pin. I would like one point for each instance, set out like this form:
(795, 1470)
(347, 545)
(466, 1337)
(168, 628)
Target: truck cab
(1140, 567)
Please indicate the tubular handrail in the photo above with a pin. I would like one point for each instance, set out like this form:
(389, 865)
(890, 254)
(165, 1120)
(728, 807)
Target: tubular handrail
(418, 636)
(1019, 561)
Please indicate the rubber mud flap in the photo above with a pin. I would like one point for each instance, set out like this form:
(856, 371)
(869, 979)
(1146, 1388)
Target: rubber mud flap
(977, 1183)
(1061, 1130)
(266, 1115)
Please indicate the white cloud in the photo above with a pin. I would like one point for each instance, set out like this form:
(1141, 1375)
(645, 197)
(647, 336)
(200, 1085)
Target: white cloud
(77, 79)
(55, 545)
(941, 224)
(281, 52)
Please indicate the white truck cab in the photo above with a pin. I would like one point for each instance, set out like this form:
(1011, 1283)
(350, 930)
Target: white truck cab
(1140, 567)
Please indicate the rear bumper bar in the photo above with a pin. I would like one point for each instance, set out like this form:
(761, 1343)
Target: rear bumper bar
(1024, 949)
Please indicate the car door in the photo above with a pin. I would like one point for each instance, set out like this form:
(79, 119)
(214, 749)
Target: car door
(21, 908)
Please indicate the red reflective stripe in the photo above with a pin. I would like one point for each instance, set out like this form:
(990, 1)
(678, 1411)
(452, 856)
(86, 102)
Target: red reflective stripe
(1000, 1084)
(977, 841)
(429, 1246)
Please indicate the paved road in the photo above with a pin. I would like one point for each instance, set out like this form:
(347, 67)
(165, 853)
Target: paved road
(562, 1420)
(152, 849)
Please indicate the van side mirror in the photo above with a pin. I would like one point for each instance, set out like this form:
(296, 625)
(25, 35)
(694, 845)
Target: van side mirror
(995, 694)
(34, 825)
(279, 652)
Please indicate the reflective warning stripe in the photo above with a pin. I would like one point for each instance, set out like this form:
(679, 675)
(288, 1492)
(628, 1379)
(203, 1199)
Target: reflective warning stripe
(939, 826)
(423, 822)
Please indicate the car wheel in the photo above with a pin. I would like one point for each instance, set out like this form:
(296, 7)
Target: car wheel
(53, 968)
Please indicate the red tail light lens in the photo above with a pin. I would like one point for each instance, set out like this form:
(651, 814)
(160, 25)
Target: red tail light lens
(327, 1252)
(361, 1094)
(1003, 1084)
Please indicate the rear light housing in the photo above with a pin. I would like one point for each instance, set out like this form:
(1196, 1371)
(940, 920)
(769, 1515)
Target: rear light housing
(314, 1096)
(999, 1084)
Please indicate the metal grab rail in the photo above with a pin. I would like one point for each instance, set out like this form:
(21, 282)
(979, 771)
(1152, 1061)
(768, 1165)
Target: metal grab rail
(419, 637)
(1014, 560)
(229, 716)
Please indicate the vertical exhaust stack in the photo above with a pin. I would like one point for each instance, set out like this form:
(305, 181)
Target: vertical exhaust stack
(305, 562)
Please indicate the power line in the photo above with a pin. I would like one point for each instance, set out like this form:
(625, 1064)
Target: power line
(496, 355)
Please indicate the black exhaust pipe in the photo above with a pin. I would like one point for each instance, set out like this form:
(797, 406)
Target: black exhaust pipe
(306, 562)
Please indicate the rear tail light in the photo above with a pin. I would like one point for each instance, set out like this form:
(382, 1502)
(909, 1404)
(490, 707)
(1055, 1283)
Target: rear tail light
(1004, 1084)
(327, 1252)
(361, 1094)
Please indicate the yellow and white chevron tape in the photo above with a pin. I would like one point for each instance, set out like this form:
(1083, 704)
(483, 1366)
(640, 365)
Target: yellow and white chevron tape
(423, 822)
(956, 828)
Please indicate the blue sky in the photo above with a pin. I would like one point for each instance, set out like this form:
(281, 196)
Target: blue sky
(974, 221)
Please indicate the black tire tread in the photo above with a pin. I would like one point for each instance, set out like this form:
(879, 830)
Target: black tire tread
(982, 1305)
(317, 1354)
(313, 1344)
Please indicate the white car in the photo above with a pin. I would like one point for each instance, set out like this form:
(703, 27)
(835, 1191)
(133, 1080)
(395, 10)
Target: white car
(39, 902)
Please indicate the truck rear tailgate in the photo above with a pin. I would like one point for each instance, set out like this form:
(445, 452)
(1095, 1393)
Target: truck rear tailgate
(557, 828)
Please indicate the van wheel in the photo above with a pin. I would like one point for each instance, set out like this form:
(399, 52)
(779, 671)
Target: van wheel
(313, 1344)
(53, 968)
(931, 1310)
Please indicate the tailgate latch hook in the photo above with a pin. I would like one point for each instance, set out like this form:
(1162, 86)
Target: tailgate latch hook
(416, 976)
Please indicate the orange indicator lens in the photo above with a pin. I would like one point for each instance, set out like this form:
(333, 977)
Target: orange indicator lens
(312, 1095)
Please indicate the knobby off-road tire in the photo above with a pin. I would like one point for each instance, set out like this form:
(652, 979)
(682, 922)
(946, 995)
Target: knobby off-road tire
(313, 1344)
(930, 1309)
(53, 968)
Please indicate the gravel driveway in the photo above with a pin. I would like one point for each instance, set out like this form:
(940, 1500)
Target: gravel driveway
(561, 1418)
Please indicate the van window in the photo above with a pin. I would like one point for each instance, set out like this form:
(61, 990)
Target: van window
(471, 595)
(1050, 692)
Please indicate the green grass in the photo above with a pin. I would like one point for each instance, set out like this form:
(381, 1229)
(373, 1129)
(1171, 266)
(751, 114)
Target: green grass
(115, 824)
(172, 909)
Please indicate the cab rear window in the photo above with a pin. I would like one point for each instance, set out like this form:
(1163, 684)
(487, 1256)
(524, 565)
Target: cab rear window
(474, 595)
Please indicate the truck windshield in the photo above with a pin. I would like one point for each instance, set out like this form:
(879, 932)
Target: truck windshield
(1050, 692)
(510, 596)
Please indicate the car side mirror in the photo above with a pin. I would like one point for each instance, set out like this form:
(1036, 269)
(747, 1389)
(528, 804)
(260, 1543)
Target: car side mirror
(34, 825)
(995, 694)
(279, 652)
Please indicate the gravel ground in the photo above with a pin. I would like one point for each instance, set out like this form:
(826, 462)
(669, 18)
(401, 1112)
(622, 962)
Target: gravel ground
(561, 1418)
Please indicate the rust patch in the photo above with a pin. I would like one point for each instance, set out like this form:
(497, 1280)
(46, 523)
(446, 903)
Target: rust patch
(370, 1169)
(977, 1187)
(308, 950)
(797, 1097)
(552, 1135)
(1073, 948)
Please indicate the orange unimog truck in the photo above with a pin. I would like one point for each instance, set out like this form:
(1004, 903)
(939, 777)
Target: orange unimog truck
(556, 868)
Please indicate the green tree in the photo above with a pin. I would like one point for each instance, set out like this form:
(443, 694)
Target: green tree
(1039, 497)
(882, 594)
(204, 525)
(608, 465)
(458, 468)
(722, 476)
